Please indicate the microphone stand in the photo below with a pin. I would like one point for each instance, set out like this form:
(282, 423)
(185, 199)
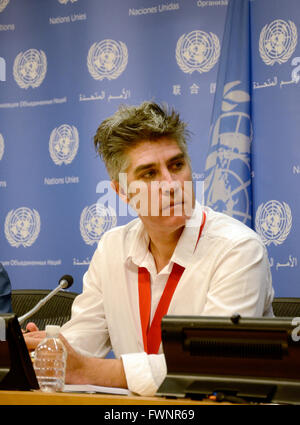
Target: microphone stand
(62, 285)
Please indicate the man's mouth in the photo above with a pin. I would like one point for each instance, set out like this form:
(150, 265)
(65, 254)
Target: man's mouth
(172, 205)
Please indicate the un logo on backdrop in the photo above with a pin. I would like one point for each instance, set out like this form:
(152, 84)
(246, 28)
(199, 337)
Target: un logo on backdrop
(107, 59)
(3, 4)
(30, 68)
(227, 166)
(197, 51)
(273, 222)
(63, 144)
(22, 227)
(277, 41)
(96, 220)
(1, 146)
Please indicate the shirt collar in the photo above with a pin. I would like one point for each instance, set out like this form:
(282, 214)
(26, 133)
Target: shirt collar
(187, 242)
(139, 247)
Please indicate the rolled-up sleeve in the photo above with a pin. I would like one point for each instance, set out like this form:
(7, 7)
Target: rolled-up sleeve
(144, 372)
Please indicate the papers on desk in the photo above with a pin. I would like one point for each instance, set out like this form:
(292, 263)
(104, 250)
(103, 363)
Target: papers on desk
(95, 389)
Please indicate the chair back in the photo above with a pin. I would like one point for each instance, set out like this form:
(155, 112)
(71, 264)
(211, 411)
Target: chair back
(286, 307)
(56, 311)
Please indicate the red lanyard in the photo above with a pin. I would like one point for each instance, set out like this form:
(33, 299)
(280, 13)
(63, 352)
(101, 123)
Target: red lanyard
(152, 335)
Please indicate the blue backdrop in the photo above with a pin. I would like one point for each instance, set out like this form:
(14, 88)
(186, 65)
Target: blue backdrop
(65, 65)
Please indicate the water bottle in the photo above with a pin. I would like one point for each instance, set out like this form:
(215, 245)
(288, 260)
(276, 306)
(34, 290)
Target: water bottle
(50, 361)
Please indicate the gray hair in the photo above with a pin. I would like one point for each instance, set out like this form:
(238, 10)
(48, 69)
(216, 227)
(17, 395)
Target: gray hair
(130, 125)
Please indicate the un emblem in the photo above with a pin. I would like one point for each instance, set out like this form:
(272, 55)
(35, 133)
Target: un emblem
(107, 59)
(3, 4)
(197, 51)
(277, 41)
(1, 146)
(273, 222)
(96, 220)
(63, 144)
(22, 227)
(227, 168)
(30, 68)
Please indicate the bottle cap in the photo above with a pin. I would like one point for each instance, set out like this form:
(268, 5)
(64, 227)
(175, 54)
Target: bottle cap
(52, 331)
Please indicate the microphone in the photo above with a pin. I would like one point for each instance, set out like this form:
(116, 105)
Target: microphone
(65, 282)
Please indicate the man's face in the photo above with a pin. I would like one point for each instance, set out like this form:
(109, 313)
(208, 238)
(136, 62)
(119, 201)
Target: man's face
(159, 183)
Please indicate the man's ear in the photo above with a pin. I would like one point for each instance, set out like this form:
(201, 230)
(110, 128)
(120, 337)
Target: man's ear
(117, 187)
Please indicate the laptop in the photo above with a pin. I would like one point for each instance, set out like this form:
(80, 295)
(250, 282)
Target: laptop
(16, 368)
(253, 359)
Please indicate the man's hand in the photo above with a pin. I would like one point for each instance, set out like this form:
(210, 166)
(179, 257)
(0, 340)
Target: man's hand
(91, 370)
(82, 369)
(31, 327)
(33, 338)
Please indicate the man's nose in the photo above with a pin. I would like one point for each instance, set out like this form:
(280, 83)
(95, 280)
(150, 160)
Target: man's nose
(169, 184)
(166, 176)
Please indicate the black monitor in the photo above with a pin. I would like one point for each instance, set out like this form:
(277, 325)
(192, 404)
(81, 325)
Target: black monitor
(253, 359)
(16, 369)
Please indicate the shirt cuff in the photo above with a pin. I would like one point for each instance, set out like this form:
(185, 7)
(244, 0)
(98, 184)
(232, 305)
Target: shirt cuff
(144, 373)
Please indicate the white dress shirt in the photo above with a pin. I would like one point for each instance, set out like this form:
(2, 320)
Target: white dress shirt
(227, 273)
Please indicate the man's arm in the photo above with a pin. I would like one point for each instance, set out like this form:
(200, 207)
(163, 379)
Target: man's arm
(144, 373)
(91, 370)
(33, 337)
(242, 282)
(83, 369)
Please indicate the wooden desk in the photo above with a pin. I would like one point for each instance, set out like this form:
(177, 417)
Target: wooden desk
(40, 398)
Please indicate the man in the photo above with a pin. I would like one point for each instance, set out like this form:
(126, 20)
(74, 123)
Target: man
(177, 257)
(5, 291)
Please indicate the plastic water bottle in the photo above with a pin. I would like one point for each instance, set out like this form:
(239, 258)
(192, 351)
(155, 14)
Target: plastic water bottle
(50, 361)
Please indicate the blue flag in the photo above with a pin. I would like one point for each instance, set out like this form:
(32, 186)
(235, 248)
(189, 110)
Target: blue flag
(228, 163)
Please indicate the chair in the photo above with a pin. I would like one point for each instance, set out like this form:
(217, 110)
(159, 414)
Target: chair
(286, 307)
(56, 311)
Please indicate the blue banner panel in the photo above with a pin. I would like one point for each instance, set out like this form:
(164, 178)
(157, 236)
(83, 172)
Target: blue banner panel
(66, 65)
(276, 154)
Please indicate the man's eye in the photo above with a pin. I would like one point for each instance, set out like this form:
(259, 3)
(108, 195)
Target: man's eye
(178, 165)
(148, 175)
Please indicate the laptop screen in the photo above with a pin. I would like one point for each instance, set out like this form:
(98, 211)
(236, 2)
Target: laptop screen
(16, 369)
(250, 357)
